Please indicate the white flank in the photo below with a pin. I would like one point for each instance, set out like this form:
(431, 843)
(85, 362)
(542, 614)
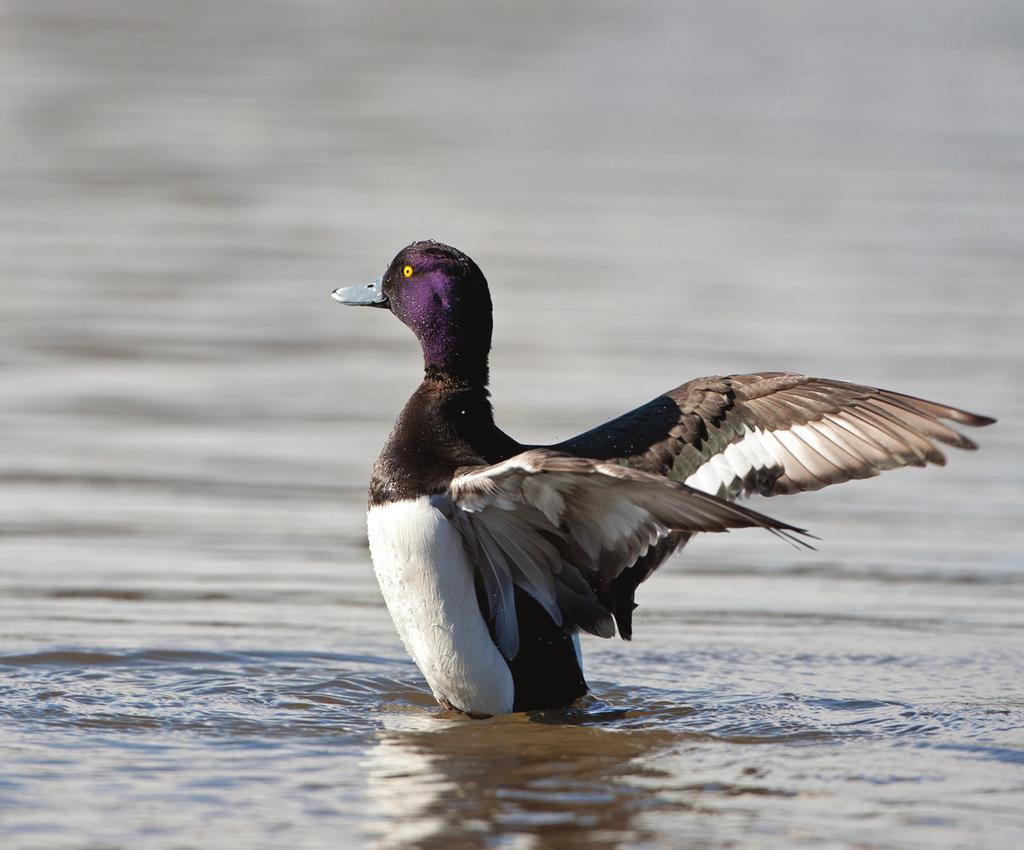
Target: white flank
(427, 583)
(721, 471)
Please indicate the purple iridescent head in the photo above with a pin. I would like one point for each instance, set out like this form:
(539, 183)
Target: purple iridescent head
(442, 295)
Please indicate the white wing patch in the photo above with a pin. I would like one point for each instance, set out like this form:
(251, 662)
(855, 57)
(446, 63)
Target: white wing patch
(858, 441)
(752, 458)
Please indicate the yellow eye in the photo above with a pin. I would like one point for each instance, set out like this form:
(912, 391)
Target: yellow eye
(407, 271)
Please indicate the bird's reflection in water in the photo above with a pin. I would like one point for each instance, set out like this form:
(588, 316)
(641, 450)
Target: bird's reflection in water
(558, 779)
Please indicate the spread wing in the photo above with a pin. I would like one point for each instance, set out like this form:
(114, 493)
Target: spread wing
(563, 528)
(774, 433)
(770, 433)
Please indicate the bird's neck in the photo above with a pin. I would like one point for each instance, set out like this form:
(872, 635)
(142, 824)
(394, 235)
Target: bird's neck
(458, 409)
(443, 426)
(458, 374)
(456, 346)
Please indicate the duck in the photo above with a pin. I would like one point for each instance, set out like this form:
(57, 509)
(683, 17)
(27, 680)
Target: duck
(493, 556)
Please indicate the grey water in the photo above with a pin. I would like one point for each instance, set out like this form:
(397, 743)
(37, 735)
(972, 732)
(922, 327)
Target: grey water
(193, 651)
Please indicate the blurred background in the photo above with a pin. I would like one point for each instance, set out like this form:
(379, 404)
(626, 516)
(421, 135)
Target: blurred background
(193, 651)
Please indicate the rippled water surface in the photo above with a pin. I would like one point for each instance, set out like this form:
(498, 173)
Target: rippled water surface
(193, 651)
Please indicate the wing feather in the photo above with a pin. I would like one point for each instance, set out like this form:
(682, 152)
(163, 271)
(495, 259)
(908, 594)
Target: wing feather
(814, 432)
(496, 573)
(562, 528)
(769, 433)
(579, 525)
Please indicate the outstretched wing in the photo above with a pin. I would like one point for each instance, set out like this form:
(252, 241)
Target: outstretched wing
(562, 528)
(770, 433)
(774, 433)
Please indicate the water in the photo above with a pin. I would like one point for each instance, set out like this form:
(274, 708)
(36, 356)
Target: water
(193, 652)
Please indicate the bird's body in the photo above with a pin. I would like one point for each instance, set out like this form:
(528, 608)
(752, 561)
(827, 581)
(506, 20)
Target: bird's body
(492, 555)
